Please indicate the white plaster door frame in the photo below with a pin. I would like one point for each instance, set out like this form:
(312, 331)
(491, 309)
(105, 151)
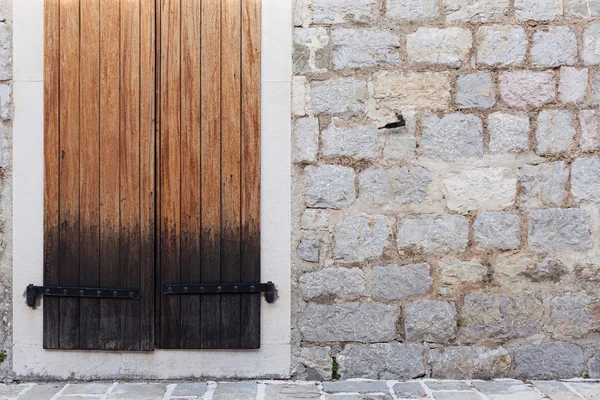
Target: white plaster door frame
(273, 359)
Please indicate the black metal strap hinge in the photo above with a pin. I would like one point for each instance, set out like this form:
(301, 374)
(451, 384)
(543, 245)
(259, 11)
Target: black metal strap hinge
(34, 291)
(211, 288)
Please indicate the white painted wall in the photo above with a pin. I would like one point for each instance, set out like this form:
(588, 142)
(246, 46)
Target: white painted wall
(273, 359)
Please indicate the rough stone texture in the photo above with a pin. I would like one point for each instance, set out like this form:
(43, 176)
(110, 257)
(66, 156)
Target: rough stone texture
(457, 272)
(406, 390)
(559, 229)
(398, 90)
(476, 91)
(299, 96)
(315, 219)
(338, 95)
(527, 89)
(308, 250)
(506, 389)
(501, 46)
(396, 185)
(596, 89)
(480, 189)
(594, 366)
(589, 121)
(591, 44)
(400, 147)
(312, 48)
(571, 316)
(508, 132)
(330, 186)
(551, 360)
(475, 11)
(353, 322)
(412, 10)
(430, 321)
(317, 359)
(5, 52)
(555, 390)
(344, 283)
(573, 84)
(497, 230)
(582, 8)
(433, 234)
(355, 141)
(364, 48)
(340, 11)
(538, 10)
(306, 133)
(544, 184)
(500, 316)
(454, 135)
(5, 101)
(431, 46)
(361, 238)
(475, 362)
(555, 131)
(355, 386)
(585, 179)
(396, 283)
(554, 47)
(382, 360)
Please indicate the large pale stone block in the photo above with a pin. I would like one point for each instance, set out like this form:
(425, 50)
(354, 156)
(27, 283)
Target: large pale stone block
(469, 362)
(412, 10)
(431, 46)
(585, 179)
(538, 10)
(433, 234)
(358, 239)
(476, 91)
(453, 136)
(553, 47)
(544, 184)
(338, 95)
(355, 141)
(509, 133)
(501, 46)
(396, 185)
(430, 321)
(559, 229)
(341, 11)
(553, 360)
(396, 283)
(306, 139)
(343, 283)
(401, 90)
(382, 361)
(497, 230)
(555, 131)
(475, 11)
(330, 186)
(527, 89)
(364, 48)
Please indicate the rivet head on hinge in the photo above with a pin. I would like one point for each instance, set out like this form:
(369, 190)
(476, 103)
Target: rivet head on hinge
(235, 288)
(131, 294)
(202, 288)
(64, 291)
(115, 293)
(81, 292)
(47, 291)
(185, 289)
(99, 293)
(219, 288)
(170, 289)
(252, 288)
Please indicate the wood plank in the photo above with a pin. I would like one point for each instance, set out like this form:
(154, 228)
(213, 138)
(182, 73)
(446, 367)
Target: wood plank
(147, 181)
(230, 170)
(130, 170)
(170, 252)
(250, 314)
(157, 167)
(190, 170)
(211, 170)
(110, 327)
(51, 168)
(89, 243)
(69, 170)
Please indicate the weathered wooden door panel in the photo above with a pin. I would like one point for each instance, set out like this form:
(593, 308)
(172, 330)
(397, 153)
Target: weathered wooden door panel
(99, 171)
(209, 170)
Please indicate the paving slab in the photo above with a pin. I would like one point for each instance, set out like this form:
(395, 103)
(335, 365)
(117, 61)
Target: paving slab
(447, 385)
(42, 391)
(555, 390)
(506, 390)
(9, 392)
(459, 396)
(138, 391)
(409, 390)
(358, 397)
(190, 389)
(292, 391)
(591, 391)
(88, 388)
(79, 397)
(355, 386)
(235, 391)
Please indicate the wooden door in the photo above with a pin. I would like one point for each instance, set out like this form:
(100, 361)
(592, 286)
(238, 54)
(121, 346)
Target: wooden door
(102, 148)
(99, 213)
(209, 163)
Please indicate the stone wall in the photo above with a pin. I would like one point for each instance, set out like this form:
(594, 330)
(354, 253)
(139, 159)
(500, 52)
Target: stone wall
(6, 112)
(466, 244)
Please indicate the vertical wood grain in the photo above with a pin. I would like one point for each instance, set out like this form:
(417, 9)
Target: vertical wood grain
(110, 121)
(211, 170)
(230, 169)
(250, 314)
(190, 169)
(51, 168)
(69, 170)
(170, 168)
(89, 152)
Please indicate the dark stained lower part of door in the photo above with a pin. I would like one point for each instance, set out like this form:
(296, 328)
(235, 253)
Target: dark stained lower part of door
(209, 163)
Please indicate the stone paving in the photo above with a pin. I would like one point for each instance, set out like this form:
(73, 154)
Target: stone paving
(504, 389)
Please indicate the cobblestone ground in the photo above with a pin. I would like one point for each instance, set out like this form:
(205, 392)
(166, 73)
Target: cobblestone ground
(505, 389)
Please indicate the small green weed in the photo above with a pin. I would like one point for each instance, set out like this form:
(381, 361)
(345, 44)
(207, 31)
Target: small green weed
(334, 370)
